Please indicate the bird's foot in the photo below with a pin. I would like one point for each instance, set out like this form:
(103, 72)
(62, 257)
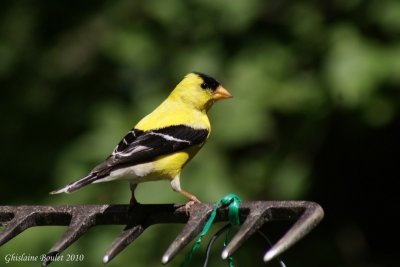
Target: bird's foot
(133, 203)
(192, 200)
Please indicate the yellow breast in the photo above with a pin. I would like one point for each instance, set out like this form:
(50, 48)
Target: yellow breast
(169, 166)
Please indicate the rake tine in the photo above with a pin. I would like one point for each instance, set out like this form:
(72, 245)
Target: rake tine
(254, 221)
(312, 215)
(198, 216)
(128, 235)
(16, 226)
(78, 226)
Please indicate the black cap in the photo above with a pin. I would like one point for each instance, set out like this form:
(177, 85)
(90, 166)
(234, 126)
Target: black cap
(208, 81)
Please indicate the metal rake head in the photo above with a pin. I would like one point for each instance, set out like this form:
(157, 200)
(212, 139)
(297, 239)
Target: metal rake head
(80, 218)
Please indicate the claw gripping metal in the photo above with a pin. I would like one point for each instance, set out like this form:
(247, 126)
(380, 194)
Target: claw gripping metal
(80, 218)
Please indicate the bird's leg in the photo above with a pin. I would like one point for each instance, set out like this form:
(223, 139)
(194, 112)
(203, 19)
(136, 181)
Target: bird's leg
(133, 200)
(176, 186)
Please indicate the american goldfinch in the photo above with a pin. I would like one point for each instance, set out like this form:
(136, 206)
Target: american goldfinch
(164, 141)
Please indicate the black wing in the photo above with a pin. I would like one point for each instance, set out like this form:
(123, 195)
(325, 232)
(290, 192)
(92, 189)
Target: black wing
(144, 146)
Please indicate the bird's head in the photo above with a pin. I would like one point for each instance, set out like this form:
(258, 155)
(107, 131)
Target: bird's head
(200, 90)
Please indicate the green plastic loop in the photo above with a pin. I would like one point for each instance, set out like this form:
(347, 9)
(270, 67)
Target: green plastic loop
(233, 213)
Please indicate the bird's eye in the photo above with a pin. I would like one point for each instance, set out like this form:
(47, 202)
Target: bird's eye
(204, 85)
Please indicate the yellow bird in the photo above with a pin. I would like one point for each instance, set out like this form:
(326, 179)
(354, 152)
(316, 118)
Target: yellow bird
(164, 141)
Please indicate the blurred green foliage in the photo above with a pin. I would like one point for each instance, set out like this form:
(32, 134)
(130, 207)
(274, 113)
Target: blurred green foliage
(315, 113)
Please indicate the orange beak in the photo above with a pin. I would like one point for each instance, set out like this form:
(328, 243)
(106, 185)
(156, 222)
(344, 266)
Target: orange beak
(221, 93)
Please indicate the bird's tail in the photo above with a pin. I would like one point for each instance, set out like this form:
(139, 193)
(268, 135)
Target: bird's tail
(69, 188)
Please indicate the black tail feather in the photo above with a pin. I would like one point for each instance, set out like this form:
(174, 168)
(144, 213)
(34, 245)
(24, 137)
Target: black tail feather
(69, 188)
